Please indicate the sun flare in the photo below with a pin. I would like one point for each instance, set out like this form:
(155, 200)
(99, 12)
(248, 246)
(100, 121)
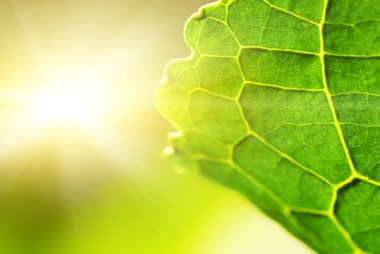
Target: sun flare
(64, 105)
(58, 100)
(70, 103)
(74, 99)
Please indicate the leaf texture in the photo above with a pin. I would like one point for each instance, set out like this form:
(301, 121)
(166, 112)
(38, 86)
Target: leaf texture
(280, 100)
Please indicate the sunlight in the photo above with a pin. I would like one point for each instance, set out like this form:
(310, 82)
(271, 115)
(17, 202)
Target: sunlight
(57, 99)
(75, 100)
(66, 103)
(61, 103)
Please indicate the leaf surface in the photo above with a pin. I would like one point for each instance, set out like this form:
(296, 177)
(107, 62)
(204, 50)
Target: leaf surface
(280, 100)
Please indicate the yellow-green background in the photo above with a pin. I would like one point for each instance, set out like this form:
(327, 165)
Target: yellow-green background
(143, 206)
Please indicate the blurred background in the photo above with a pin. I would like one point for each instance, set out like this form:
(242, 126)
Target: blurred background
(84, 177)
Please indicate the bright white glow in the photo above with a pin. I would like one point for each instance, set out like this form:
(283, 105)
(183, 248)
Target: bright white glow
(74, 93)
(62, 104)
(68, 104)
(73, 102)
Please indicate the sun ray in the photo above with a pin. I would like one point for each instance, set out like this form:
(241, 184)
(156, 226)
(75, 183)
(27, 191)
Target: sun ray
(72, 87)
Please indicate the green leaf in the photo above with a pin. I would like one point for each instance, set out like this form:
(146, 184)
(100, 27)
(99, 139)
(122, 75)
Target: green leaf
(280, 100)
